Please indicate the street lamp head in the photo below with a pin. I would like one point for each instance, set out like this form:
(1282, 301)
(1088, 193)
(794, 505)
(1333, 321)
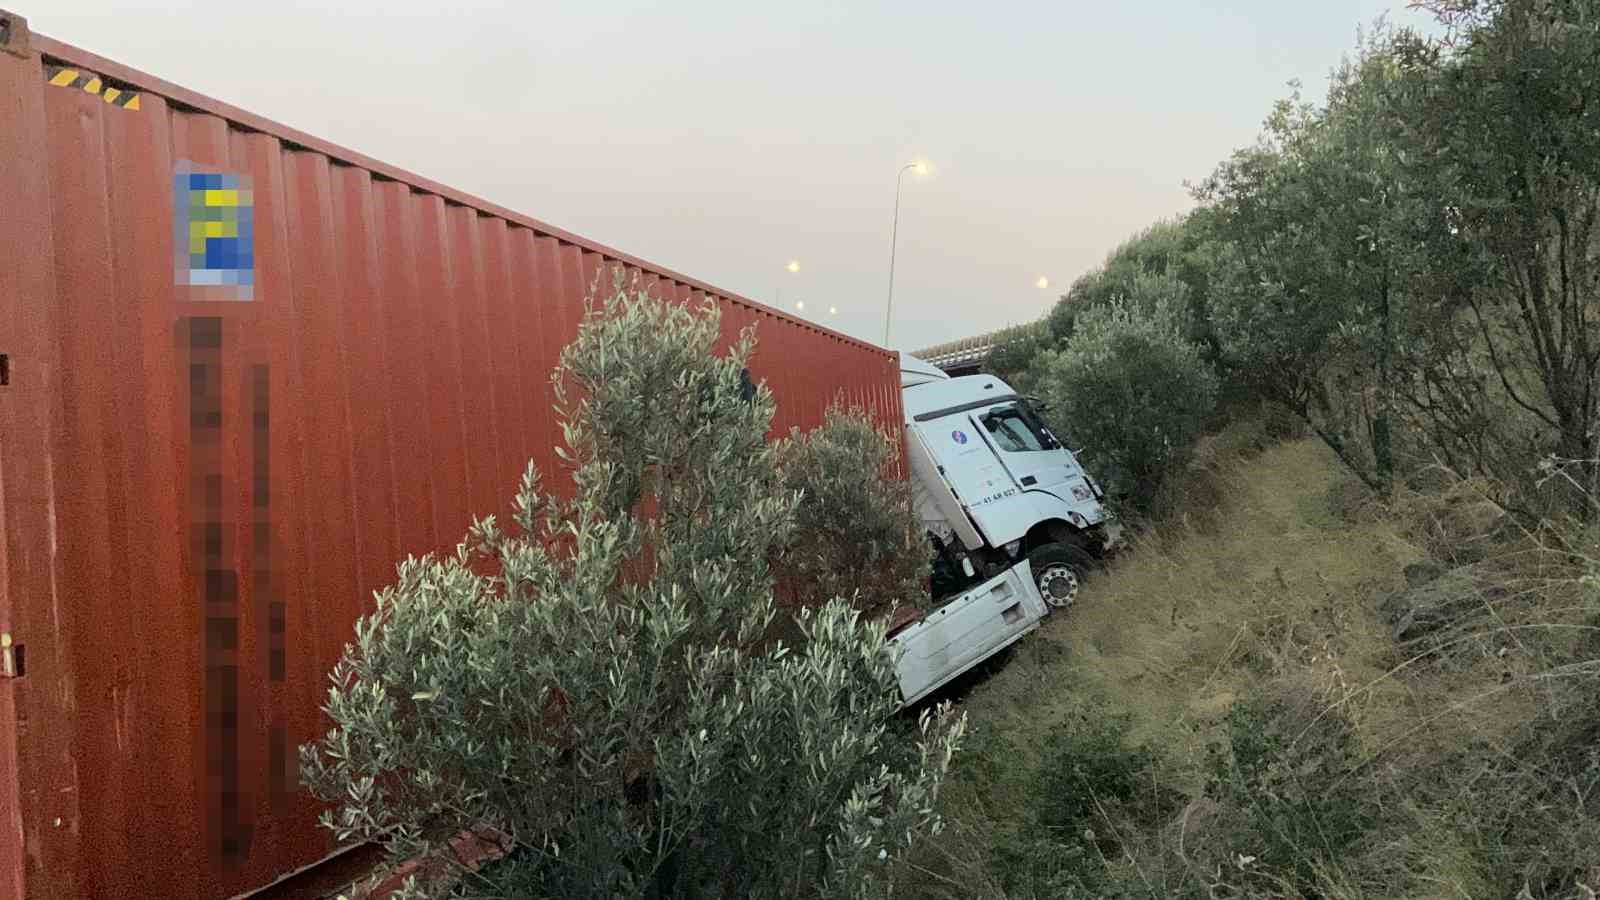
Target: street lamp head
(1043, 282)
(800, 305)
(833, 310)
(793, 266)
(920, 167)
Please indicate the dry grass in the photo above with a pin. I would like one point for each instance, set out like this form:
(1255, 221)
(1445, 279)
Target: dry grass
(1274, 589)
(1187, 623)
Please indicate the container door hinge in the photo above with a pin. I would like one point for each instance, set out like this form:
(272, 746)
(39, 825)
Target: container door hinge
(13, 664)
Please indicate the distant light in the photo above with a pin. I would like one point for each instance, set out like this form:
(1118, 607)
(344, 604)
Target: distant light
(794, 265)
(800, 305)
(1043, 282)
(833, 310)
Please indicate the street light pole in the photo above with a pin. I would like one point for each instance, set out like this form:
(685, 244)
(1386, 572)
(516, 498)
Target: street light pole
(894, 229)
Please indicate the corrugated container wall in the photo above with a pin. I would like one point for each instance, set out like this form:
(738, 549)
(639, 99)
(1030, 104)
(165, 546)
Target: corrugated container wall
(204, 475)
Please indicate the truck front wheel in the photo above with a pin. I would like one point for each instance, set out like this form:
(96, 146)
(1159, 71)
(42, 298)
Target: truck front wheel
(1058, 574)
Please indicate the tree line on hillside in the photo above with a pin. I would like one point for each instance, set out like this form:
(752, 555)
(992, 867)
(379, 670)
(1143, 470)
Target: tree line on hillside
(1410, 266)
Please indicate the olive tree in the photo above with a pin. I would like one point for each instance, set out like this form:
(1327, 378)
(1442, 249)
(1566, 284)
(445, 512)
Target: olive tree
(1010, 357)
(1131, 387)
(856, 534)
(1502, 136)
(590, 683)
(1316, 232)
(1175, 247)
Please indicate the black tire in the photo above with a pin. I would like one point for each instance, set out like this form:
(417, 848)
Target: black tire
(1058, 571)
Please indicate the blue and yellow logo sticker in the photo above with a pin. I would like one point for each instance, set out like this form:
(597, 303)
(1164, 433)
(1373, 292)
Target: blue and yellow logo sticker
(214, 233)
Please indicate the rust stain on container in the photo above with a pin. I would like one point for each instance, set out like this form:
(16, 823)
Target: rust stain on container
(203, 482)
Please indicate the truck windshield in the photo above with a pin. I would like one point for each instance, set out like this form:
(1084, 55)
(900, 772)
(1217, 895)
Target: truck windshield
(1014, 431)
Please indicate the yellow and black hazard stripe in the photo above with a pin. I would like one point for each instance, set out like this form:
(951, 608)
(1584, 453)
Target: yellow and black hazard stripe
(90, 83)
(119, 97)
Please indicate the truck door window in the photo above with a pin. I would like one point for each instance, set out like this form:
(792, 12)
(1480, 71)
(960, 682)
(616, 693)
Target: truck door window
(1046, 437)
(1014, 433)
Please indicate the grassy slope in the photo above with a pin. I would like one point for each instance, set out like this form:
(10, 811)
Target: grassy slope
(1186, 622)
(1164, 634)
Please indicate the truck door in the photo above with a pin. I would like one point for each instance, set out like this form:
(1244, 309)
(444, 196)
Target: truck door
(1031, 454)
(937, 504)
(971, 468)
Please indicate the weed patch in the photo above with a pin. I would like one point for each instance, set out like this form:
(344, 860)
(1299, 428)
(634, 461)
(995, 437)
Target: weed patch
(1286, 780)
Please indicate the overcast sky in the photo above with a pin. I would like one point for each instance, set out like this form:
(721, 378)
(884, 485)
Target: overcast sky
(723, 139)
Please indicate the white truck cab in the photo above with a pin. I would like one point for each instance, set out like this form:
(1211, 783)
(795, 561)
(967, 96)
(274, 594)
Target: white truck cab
(994, 486)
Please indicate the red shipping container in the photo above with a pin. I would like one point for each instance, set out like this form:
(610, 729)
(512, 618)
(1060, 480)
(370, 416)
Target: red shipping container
(212, 454)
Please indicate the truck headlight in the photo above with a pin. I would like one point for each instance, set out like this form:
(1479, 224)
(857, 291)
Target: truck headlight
(1011, 548)
(1081, 494)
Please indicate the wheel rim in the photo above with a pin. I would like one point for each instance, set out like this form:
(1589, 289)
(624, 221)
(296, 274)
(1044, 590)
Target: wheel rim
(1058, 583)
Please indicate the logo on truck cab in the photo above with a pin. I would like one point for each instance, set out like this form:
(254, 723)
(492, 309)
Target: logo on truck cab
(958, 436)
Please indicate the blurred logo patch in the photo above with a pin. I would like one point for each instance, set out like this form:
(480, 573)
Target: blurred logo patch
(214, 234)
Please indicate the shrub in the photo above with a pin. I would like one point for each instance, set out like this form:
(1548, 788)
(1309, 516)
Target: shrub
(1089, 782)
(1130, 388)
(1173, 248)
(1075, 802)
(1287, 780)
(1516, 775)
(1087, 769)
(855, 533)
(585, 685)
(1013, 353)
